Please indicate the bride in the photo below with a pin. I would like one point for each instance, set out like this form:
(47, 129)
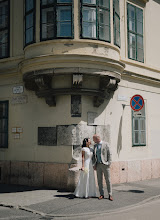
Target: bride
(86, 186)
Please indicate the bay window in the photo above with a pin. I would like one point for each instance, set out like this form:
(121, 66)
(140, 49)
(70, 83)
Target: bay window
(95, 19)
(29, 21)
(116, 22)
(56, 19)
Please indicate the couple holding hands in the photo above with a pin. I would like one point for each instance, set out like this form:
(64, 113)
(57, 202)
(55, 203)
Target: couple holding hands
(98, 158)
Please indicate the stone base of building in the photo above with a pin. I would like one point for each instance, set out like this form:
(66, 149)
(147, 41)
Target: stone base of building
(58, 176)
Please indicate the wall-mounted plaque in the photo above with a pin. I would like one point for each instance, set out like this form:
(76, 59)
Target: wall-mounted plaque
(19, 100)
(47, 136)
(91, 116)
(76, 106)
(18, 89)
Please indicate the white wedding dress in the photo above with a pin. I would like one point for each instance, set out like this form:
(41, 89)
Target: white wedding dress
(86, 186)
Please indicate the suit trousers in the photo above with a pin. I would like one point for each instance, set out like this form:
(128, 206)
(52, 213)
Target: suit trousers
(103, 169)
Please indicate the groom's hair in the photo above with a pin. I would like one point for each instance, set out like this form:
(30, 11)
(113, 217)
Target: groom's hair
(96, 138)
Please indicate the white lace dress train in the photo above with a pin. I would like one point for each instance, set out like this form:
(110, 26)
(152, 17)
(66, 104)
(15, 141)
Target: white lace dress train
(86, 186)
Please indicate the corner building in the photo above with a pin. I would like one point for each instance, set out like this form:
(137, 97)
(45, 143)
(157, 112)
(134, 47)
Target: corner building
(68, 69)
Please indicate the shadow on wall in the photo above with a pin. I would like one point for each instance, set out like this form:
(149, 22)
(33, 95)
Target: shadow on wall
(119, 141)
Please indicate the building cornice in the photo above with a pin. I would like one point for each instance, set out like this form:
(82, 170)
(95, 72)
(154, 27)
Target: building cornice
(140, 65)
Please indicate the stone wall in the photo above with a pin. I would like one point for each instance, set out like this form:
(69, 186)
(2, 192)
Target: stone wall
(58, 176)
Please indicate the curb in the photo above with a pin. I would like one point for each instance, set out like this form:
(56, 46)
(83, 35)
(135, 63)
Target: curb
(82, 214)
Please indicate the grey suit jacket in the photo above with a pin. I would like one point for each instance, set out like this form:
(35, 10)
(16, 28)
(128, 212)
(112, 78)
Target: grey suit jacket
(105, 154)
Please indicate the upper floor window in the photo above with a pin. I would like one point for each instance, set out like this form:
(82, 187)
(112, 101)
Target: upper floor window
(135, 33)
(29, 21)
(139, 127)
(4, 28)
(116, 22)
(3, 124)
(95, 19)
(56, 19)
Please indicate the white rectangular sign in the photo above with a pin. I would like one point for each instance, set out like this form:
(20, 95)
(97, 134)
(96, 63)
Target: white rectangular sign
(18, 89)
(122, 98)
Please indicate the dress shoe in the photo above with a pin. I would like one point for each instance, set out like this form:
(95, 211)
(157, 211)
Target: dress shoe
(101, 197)
(110, 198)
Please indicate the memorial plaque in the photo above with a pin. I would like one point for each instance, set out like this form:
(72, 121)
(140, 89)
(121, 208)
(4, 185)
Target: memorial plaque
(91, 118)
(76, 106)
(104, 131)
(65, 134)
(73, 134)
(47, 136)
(19, 100)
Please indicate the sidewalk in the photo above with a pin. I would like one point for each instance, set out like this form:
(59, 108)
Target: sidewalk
(53, 203)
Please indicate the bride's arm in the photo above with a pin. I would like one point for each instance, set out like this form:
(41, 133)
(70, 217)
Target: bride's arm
(83, 154)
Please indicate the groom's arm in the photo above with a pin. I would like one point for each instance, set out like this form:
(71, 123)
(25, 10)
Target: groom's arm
(109, 155)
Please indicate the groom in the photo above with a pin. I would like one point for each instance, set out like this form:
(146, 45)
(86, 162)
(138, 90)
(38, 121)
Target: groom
(102, 162)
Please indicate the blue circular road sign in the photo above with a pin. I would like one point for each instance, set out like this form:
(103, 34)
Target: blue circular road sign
(137, 102)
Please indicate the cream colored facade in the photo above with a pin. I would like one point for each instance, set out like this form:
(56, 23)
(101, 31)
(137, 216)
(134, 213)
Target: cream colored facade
(27, 162)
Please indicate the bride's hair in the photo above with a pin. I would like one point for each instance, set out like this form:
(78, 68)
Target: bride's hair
(84, 142)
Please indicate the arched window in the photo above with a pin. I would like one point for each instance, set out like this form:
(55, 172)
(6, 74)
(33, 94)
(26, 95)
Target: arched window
(95, 19)
(56, 19)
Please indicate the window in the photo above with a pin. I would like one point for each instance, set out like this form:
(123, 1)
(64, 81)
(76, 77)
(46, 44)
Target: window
(116, 22)
(95, 19)
(29, 22)
(3, 124)
(56, 19)
(135, 33)
(4, 28)
(139, 127)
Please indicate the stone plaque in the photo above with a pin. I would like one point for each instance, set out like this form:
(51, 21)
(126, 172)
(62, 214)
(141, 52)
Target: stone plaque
(65, 134)
(104, 131)
(91, 116)
(77, 149)
(76, 106)
(74, 134)
(19, 100)
(47, 136)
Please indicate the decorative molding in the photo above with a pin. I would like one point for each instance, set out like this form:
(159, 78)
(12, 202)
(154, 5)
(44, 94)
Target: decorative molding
(107, 86)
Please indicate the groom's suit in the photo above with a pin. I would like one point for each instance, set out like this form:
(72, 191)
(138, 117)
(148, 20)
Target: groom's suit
(102, 163)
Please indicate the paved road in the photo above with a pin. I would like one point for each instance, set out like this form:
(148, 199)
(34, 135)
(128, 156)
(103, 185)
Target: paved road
(16, 214)
(148, 211)
(20, 202)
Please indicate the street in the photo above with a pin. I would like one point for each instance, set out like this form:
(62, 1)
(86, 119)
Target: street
(148, 211)
(132, 201)
(15, 214)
